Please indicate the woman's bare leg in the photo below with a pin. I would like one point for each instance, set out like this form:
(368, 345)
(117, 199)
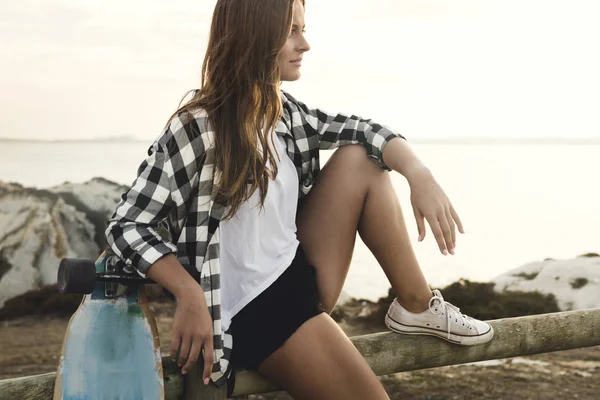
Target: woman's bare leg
(319, 362)
(352, 193)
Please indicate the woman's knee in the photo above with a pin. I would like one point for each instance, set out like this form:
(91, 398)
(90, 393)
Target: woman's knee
(355, 157)
(350, 154)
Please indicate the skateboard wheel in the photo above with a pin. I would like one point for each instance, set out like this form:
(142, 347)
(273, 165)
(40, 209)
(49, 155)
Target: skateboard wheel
(76, 275)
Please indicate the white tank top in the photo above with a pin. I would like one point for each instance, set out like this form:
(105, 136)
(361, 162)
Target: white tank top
(257, 246)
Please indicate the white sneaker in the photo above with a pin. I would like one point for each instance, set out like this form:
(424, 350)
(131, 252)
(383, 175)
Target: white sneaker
(442, 319)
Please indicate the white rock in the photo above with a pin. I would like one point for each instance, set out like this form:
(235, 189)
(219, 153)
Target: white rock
(40, 227)
(98, 194)
(574, 282)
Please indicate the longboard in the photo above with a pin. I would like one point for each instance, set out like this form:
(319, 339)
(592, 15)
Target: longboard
(111, 348)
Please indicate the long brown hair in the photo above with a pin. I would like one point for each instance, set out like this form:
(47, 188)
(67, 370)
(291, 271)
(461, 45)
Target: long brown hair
(240, 93)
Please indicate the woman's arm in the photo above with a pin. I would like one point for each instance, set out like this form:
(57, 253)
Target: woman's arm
(165, 181)
(387, 150)
(132, 229)
(335, 130)
(399, 156)
(192, 324)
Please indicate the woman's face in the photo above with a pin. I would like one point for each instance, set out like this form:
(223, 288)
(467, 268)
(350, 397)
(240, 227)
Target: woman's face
(290, 58)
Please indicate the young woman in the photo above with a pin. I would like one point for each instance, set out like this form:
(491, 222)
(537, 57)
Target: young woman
(258, 240)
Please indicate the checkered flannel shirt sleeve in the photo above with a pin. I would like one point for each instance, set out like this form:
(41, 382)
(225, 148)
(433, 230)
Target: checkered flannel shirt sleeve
(335, 130)
(164, 182)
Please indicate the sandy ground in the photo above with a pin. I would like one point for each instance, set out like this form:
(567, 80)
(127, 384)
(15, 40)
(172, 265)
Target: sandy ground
(32, 346)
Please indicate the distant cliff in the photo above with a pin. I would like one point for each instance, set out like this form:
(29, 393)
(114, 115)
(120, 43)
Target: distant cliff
(40, 227)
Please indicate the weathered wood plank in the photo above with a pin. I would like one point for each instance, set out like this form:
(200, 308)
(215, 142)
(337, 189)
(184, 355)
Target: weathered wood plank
(389, 353)
(36, 387)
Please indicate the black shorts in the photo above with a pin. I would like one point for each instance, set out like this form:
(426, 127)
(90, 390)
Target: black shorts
(272, 317)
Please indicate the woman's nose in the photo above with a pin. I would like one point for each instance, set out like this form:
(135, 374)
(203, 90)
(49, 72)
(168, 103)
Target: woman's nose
(304, 46)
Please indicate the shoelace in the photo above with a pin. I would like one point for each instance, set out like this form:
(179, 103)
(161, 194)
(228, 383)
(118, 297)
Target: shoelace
(452, 312)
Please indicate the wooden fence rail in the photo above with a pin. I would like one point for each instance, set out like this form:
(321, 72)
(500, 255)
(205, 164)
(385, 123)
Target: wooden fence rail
(386, 353)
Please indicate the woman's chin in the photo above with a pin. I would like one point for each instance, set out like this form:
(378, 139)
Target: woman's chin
(291, 76)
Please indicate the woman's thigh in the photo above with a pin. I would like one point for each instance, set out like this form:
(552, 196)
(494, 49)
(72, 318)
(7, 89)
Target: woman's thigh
(319, 362)
(328, 218)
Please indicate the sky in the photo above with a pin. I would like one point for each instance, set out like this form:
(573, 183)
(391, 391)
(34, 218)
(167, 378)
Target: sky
(83, 69)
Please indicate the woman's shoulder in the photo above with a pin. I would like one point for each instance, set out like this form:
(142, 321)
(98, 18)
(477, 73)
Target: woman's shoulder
(295, 104)
(288, 98)
(189, 130)
(194, 121)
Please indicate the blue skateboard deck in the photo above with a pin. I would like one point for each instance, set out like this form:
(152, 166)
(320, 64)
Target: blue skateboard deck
(111, 349)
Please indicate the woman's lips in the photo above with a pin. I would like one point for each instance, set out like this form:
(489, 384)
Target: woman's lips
(297, 62)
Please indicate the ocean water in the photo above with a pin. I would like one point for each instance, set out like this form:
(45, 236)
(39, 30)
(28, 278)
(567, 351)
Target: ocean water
(518, 202)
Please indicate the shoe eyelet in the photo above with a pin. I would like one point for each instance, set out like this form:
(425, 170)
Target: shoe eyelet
(438, 326)
(427, 324)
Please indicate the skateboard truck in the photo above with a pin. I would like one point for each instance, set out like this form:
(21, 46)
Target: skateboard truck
(110, 266)
(78, 275)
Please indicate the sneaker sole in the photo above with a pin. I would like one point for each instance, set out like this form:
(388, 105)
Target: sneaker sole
(460, 340)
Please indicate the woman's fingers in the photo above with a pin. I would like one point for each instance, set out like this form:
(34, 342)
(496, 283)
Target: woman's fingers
(209, 359)
(192, 333)
(184, 350)
(189, 353)
(438, 234)
(456, 219)
(452, 226)
(193, 357)
(446, 233)
(420, 223)
(175, 342)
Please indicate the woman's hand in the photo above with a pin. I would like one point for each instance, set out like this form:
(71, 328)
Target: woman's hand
(427, 197)
(192, 332)
(192, 327)
(430, 203)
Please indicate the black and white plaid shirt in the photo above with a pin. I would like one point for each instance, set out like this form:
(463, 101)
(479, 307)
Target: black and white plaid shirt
(174, 189)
